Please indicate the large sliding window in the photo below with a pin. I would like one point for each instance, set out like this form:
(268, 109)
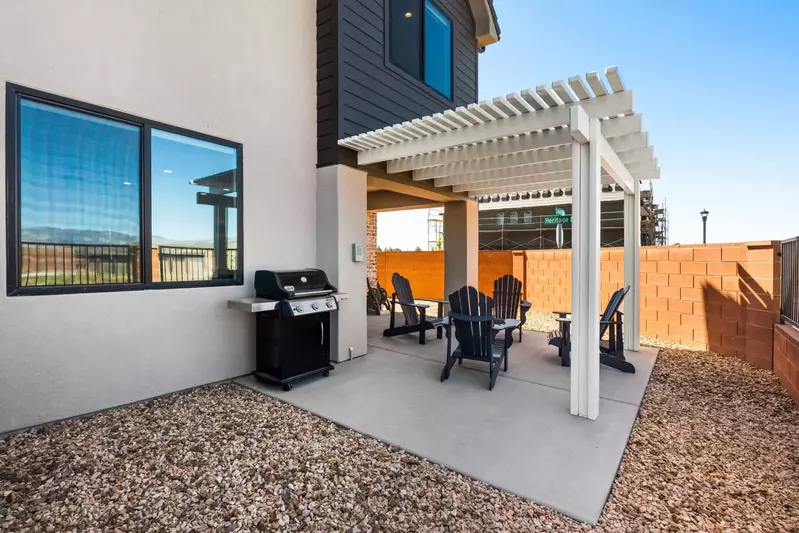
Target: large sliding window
(420, 42)
(100, 200)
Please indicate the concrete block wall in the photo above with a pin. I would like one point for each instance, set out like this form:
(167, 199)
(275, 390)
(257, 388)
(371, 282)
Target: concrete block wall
(721, 297)
(786, 358)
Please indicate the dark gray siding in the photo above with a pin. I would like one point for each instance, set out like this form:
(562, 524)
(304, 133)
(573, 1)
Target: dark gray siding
(327, 81)
(371, 93)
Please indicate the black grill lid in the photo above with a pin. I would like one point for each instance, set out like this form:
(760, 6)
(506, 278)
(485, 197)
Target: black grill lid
(282, 284)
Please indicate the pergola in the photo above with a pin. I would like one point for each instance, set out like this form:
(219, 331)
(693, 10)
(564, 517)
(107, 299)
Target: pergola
(579, 134)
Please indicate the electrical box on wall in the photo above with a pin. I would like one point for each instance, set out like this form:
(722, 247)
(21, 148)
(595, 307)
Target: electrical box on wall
(357, 252)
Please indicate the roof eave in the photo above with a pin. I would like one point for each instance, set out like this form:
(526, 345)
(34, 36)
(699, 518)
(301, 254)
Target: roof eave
(486, 27)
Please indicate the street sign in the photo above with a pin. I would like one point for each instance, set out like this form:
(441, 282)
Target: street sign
(552, 220)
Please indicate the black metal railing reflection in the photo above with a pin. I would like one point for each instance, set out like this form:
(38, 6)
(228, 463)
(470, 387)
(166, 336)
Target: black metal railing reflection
(61, 264)
(185, 263)
(56, 264)
(789, 291)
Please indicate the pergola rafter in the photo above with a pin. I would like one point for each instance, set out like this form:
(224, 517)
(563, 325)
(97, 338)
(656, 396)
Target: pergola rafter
(582, 134)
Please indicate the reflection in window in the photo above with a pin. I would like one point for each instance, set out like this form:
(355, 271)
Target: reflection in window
(194, 208)
(421, 47)
(405, 29)
(437, 50)
(79, 198)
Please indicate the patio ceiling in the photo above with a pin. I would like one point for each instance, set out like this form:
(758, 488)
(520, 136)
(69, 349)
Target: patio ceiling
(516, 143)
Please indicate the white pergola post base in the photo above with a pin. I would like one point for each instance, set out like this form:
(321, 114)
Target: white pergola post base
(586, 187)
(632, 267)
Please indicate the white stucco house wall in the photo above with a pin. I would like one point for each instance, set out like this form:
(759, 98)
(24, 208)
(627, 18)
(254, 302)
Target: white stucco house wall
(211, 67)
(99, 96)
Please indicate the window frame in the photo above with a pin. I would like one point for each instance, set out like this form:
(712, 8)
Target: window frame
(14, 95)
(420, 82)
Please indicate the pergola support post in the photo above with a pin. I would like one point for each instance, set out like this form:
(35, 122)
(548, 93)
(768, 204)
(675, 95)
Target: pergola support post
(586, 188)
(632, 267)
(461, 243)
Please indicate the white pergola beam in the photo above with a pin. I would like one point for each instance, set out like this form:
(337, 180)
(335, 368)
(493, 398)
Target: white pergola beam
(611, 129)
(512, 172)
(632, 268)
(496, 148)
(563, 199)
(634, 156)
(612, 104)
(586, 192)
(487, 164)
(540, 181)
(644, 168)
(559, 184)
(626, 143)
(613, 165)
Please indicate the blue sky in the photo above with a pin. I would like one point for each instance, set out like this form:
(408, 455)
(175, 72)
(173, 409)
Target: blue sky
(81, 172)
(713, 81)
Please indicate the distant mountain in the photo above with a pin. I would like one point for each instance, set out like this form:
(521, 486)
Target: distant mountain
(76, 236)
(88, 236)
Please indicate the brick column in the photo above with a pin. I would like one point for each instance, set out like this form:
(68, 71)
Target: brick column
(371, 246)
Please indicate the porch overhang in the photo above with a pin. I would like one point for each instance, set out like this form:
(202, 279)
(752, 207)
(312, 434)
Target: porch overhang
(581, 134)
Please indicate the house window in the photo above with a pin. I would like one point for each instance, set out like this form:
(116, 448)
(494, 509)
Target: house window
(528, 217)
(420, 42)
(100, 200)
(500, 219)
(514, 218)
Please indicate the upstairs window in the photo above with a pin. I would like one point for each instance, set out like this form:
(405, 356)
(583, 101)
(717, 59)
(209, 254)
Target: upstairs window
(514, 218)
(100, 200)
(420, 42)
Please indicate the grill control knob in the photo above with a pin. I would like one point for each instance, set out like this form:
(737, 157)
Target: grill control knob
(330, 305)
(298, 308)
(314, 306)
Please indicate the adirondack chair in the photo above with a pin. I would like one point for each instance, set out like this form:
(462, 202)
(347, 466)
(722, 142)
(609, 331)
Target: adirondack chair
(415, 314)
(508, 302)
(476, 330)
(611, 352)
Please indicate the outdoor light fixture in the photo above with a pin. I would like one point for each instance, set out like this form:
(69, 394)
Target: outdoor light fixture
(704, 213)
(408, 15)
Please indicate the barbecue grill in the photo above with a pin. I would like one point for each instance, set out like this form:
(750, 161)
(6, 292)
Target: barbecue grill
(293, 339)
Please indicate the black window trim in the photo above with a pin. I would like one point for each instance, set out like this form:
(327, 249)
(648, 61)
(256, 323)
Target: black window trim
(14, 94)
(449, 101)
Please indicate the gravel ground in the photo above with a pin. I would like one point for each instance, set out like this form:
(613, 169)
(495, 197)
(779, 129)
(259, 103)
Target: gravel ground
(715, 448)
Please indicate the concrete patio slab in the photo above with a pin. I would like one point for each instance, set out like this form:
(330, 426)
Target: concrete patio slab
(519, 437)
(533, 360)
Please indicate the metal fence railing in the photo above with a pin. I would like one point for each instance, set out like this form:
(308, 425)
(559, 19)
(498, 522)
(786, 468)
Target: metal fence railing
(60, 264)
(789, 291)
(56, 264)
(183, 263)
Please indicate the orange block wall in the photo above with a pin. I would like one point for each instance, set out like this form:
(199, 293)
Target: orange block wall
(722, 297)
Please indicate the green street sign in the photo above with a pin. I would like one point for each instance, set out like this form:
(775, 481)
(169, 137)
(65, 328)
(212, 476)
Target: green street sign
(553, 220)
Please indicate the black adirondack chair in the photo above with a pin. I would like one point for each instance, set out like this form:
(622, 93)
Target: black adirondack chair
(611, 351)
(473, 323)
(508, 302)
(415, 314)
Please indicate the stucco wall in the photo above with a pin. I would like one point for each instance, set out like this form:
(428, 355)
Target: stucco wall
(226, 70)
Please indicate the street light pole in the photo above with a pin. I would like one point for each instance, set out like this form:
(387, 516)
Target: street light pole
(704, 214)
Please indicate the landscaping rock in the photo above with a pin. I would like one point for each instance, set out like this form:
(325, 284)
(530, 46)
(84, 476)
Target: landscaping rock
(715, 448)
